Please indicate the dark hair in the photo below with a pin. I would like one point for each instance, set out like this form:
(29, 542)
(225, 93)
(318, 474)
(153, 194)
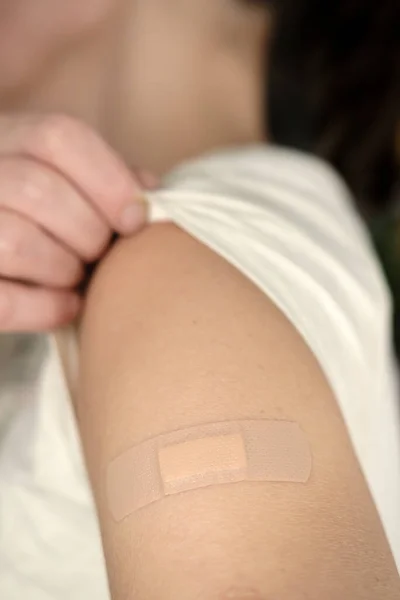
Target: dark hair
(335, 88)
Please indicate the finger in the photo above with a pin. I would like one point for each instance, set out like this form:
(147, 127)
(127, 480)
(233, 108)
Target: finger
(24, 308)
(27, 253)
(83, 157)
(45, 197)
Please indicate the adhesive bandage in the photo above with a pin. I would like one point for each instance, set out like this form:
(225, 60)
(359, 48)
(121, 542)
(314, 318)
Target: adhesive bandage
(213, 454)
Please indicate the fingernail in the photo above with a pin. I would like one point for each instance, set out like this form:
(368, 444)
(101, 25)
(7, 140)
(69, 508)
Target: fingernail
(133, 217)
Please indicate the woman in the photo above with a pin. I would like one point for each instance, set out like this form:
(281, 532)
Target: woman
(250, 311)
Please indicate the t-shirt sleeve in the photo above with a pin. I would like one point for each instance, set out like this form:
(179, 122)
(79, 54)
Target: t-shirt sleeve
(287, 222)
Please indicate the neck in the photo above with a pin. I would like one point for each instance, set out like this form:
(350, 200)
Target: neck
(154, 113)
(74, 83)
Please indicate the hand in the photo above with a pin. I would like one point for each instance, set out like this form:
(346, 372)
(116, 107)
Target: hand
(63, 193)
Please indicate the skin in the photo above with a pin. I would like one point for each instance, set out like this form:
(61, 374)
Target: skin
(176, 357)
(93, 61)
(63, 192)
(164, 353)
(59, 180)
(129, 54)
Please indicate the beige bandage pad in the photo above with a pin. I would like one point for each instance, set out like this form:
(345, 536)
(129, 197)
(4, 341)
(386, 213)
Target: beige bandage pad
(214, 454)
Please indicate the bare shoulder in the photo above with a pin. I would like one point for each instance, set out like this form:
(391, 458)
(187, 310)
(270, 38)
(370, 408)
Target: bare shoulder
(174, 337)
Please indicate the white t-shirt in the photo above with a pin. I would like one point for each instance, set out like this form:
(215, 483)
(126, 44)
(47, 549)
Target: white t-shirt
(287, 222)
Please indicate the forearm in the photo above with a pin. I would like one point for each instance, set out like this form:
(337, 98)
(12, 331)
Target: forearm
(224, 353)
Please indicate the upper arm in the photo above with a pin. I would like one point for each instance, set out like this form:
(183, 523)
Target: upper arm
(175, 337)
